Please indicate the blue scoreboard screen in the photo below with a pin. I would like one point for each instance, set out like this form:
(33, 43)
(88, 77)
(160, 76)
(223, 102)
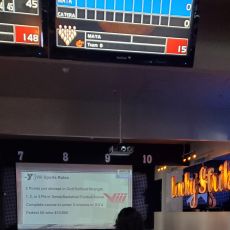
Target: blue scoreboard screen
(133, 26)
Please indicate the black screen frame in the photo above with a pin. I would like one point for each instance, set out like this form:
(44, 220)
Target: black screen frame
(1, 200)
(122, 57)
(23, 50)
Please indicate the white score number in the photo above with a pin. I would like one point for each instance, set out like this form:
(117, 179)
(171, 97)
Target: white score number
(31, 38)
(186, 23)
(10, 6)
(182, 49)
(188, 7)
(1, 5)
(147, 159)
(32, 4)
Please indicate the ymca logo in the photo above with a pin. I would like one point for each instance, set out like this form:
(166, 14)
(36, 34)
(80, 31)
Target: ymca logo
(29, 176)
(116, 197)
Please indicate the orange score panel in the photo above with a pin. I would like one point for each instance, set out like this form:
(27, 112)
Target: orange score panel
(177, 46)
(27, 35)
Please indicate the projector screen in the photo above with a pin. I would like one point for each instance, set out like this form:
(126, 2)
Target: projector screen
(71, 196)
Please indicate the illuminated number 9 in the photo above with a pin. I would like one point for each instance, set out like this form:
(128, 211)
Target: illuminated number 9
(107, 158)
(65, 156)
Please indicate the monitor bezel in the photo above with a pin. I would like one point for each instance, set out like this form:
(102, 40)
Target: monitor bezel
(122, 57)
(23, 50)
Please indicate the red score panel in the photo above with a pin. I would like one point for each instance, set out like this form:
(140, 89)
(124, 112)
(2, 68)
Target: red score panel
(27, 35)
(177, 46)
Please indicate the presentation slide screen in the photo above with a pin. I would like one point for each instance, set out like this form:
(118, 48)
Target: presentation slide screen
(161, 27)
(65, 196)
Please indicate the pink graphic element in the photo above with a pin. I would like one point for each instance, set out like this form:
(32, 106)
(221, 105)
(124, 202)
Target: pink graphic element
(116, 197)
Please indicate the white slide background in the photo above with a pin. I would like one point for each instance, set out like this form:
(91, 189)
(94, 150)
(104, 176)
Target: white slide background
(77, 196)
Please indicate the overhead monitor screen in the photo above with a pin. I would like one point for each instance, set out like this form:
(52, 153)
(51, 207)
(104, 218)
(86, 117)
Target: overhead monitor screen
(159, 27)
(65, 196)
(21, 22)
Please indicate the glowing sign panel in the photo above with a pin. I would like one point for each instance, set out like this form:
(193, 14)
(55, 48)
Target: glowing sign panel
(207, 181)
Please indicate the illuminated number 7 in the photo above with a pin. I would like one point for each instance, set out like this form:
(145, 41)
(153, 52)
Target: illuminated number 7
(20, 154)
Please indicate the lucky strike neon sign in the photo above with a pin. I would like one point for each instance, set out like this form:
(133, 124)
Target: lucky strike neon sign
(206, 181)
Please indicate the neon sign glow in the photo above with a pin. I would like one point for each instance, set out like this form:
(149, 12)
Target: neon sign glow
(206, 181)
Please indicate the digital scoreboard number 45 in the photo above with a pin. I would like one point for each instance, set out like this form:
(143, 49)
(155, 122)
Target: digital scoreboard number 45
(32, 4)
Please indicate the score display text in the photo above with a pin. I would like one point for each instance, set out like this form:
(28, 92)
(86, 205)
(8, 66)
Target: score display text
(137, 26)
(21, 22)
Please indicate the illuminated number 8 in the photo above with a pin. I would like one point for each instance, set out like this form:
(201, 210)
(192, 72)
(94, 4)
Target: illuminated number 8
(65, 156)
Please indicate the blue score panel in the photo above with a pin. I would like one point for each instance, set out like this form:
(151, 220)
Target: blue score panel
(173, 16)
(177, 8)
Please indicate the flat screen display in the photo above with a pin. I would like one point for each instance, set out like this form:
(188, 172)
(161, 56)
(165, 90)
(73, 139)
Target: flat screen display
(65, 196)
(136, 28)
(21, 25)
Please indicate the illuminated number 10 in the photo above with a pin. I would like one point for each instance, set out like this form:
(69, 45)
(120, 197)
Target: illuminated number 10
(147, 159)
